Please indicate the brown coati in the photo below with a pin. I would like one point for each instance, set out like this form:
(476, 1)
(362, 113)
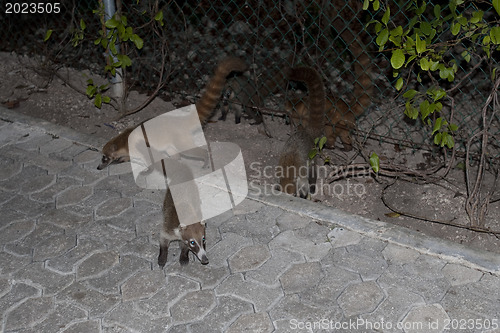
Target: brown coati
(346, 21)
(340, 117)
(243, 95)
(298, 172)
(191, 237)
(116, 150)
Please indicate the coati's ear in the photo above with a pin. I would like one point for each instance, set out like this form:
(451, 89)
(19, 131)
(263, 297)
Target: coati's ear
(203, 223)
(182, 226)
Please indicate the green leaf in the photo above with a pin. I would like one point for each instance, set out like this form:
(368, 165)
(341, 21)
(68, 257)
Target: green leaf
(437, 125)
(375, 162)
(466, 55)
(98, 101)
(439, 93)
(437, 139)
(453, 127)
(496, 5)
(426, 28)
(399, 84)
(322, 142)
(47, 35)
(387, 16)
(455, 29)
(82, 24)
(421, 44)
(411, 111)
(112, 23)
(137, 41)
(382, 37)
(495, 35)
(425, 109)
(397, 59)
(366, 4)
(106, 99)
(312, 153)
(437, 11)
(433, 65)
(159, 15)
(447, 140)
(410, 94)
(424, 64)
(90, 91)
(477, 16)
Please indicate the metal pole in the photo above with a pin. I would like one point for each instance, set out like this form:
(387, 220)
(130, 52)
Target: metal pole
(116, 81)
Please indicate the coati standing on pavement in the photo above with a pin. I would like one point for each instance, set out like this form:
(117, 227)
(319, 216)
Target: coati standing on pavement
(298, 171)
(116, 150)
(191, 237)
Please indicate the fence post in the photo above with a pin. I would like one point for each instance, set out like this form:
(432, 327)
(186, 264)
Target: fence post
(117, 80)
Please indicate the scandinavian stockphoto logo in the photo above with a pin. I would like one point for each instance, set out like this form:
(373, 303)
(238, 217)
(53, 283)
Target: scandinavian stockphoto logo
(170, 151)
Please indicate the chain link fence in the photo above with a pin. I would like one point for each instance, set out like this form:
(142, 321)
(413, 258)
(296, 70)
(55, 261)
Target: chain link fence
(268, 35)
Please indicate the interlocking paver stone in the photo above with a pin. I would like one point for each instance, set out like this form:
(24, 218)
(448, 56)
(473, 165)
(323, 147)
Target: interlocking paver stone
(360, 298)
(97, 264)
(88, 299)
(252, 322)
(28, 313)
(143, 284)
(227, 310)
(54, 246)
(425, 318)
(289, 241)
(50, 282)
(458, 275)
(175, 287)
(16, 230)
(261, 296)
(125, 316)
(66, 263)
(301, 277)
(249, 258)
(193, 306)
(17, 293)
(270, 272)
(73, 196)
(79, 248)
(113, 207)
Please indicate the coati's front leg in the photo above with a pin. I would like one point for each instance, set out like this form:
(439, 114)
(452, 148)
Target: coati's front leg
(184, 257)
(163, 256)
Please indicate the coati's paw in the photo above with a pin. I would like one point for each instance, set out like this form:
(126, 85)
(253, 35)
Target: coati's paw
(162, 260)
(184, 260)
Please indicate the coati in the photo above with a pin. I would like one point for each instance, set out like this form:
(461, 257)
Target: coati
(116, 150)
(192, 236)
(340, 117)
(298, 171)
(243, 95)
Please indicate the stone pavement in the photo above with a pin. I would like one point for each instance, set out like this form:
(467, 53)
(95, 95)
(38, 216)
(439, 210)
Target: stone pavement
(79, 249)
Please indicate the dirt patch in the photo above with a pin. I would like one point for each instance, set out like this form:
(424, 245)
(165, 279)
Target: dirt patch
(29, 93)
